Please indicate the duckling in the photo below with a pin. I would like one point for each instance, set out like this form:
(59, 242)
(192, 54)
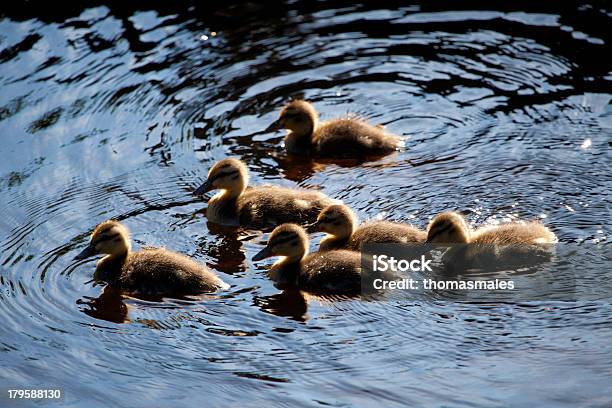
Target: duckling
(348, 137)
(451, 227)
(331, 272)
(493, 248)
(339, 222)
(152, 271)
(261, 207)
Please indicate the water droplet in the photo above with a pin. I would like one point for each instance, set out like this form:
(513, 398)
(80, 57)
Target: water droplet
(203, 37)
(586, 144)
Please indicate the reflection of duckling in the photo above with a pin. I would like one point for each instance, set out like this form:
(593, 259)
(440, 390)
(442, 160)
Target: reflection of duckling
(343, 138)
(291, 302)
(108, 306)
(339, 222)
(331, 272)
(258, 207)
(153, 271)
(450, 227)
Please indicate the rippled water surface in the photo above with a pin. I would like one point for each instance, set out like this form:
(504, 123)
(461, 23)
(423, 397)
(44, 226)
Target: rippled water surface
(119, 112)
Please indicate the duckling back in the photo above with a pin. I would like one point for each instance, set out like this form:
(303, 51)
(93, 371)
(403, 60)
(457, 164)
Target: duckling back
(157, 271)
(385, 232)
(268, 206)
(350, 137)
(514, 233)
(504, 247)
(331, 272)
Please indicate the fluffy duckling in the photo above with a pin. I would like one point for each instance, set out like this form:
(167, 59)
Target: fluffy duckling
(331, 272)
(258, 207)
(341, 138)
(340, 223)
(152, 271)
(451, 227)
(507, 246)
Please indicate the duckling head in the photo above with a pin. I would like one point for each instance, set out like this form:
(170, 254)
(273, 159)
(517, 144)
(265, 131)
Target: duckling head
(448, 228)
(287, 240)
(337, 220)
(300, 117)
(111, 238)
(230, 175)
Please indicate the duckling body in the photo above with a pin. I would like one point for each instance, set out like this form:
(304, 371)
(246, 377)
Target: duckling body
(339, 221)
(385, 232)
(349, 138)
(151, 271)
(258, 207)
(330, 272)
(263, 206)
(341, 138)
(515, 233)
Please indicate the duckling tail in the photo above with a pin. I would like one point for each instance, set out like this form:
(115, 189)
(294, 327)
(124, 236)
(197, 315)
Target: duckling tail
(400, 143)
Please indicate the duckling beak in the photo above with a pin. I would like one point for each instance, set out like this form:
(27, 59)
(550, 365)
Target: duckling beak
(86, 253)
(263, 254)
(204, 188)
(275, 126)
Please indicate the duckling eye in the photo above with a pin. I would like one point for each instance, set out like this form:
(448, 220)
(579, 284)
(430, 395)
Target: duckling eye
(337, 223)
(234, 174)
(292, 115)
(103, 238)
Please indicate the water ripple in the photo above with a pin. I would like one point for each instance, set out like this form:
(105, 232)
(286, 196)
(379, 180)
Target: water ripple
(114, 112)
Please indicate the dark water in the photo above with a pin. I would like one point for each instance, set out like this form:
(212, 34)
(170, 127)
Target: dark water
(115, 112)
